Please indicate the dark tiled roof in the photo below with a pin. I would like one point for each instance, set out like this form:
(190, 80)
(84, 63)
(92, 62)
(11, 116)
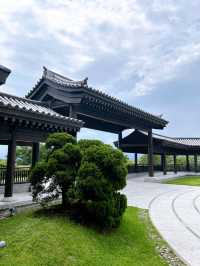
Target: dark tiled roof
(5, 69)
(189, 141)
(61, 80)
(184, 141)
(35, 107)
(4, 72)
(66, 82)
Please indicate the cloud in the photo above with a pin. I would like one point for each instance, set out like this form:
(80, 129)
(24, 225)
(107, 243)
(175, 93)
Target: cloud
(146, 43)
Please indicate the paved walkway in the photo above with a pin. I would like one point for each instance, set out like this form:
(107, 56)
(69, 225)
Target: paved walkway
(174, 210)
(18, 200)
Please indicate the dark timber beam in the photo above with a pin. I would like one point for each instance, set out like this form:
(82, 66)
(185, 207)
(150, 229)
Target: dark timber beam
(10, 166)
(187, 163)
(150, 153)
(136, 162)
(35, 153)
(164, 164)
(175, 166)
(195, 163)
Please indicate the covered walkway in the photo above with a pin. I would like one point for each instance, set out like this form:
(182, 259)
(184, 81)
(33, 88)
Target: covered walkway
(140, 142)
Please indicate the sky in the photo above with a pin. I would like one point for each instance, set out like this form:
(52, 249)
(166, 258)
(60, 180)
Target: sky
(145, 52)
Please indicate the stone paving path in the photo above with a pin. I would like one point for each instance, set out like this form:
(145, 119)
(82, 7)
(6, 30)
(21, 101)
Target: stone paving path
(175, 212)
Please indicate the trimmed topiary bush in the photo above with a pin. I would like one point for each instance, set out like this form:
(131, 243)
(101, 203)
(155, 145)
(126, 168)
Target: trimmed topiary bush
(101, 175)
(89, 174)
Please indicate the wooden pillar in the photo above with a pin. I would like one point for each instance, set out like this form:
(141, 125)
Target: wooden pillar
(195, 163)
(175, 166)
(136, 162)
(150, 153)
(74, 134)
(35, 153)
(10, 166)
(72, 112)
(119, 138)
(164, 164)
(187, 163)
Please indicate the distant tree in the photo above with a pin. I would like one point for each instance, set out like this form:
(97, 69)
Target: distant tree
(23, 155)
(180, 160)
(143, 159)
(2, 163)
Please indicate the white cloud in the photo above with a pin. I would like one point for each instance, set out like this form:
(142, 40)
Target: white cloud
(156, 40)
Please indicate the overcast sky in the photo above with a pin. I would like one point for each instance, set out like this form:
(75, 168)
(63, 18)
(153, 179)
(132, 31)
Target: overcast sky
(146, 52)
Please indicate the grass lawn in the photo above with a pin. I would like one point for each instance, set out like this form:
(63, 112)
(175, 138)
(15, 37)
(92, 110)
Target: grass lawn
(42, 240)
(188, 180)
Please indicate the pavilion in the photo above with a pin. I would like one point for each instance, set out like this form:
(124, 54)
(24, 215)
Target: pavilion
(59, 104)
(27, 122)
(137, 142)
(98, 110)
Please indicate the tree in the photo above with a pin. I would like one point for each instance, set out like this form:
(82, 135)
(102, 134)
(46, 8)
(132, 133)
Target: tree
(101, 175)
(143, 159)
(59, 170)
(89, 174)
(23, 155)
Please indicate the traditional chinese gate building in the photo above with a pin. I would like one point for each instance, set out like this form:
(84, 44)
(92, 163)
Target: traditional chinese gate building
(98, 110)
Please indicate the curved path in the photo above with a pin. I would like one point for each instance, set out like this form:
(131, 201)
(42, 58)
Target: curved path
(175, 212)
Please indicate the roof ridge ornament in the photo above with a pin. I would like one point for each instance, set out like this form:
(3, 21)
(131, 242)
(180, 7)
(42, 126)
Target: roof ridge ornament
(44, 75)
(85, 81)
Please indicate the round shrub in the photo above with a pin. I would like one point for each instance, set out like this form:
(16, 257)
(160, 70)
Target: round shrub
(87, 143)
(101, 174)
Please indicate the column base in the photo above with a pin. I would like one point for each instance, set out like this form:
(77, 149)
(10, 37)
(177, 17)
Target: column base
(7, 199)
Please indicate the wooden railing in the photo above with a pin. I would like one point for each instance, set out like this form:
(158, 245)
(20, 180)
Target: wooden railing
(169, 168)
(142, 168)
(21, 175)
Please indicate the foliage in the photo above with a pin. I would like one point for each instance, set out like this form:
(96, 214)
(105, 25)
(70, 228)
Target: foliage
(2, 163)
(23, 155)
(43, 152)
(101, 174)
(180, 160)
(60, 168)
(129, 162)
(143, 159)
(56, 141)
(89, 174)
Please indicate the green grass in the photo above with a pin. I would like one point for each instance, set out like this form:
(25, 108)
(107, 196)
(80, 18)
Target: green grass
(188, 180)
(52, 240)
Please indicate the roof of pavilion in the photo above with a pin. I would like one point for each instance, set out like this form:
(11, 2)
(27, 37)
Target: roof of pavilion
(4, 72)
(18, 108)
(80, 91)
(138, 141)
